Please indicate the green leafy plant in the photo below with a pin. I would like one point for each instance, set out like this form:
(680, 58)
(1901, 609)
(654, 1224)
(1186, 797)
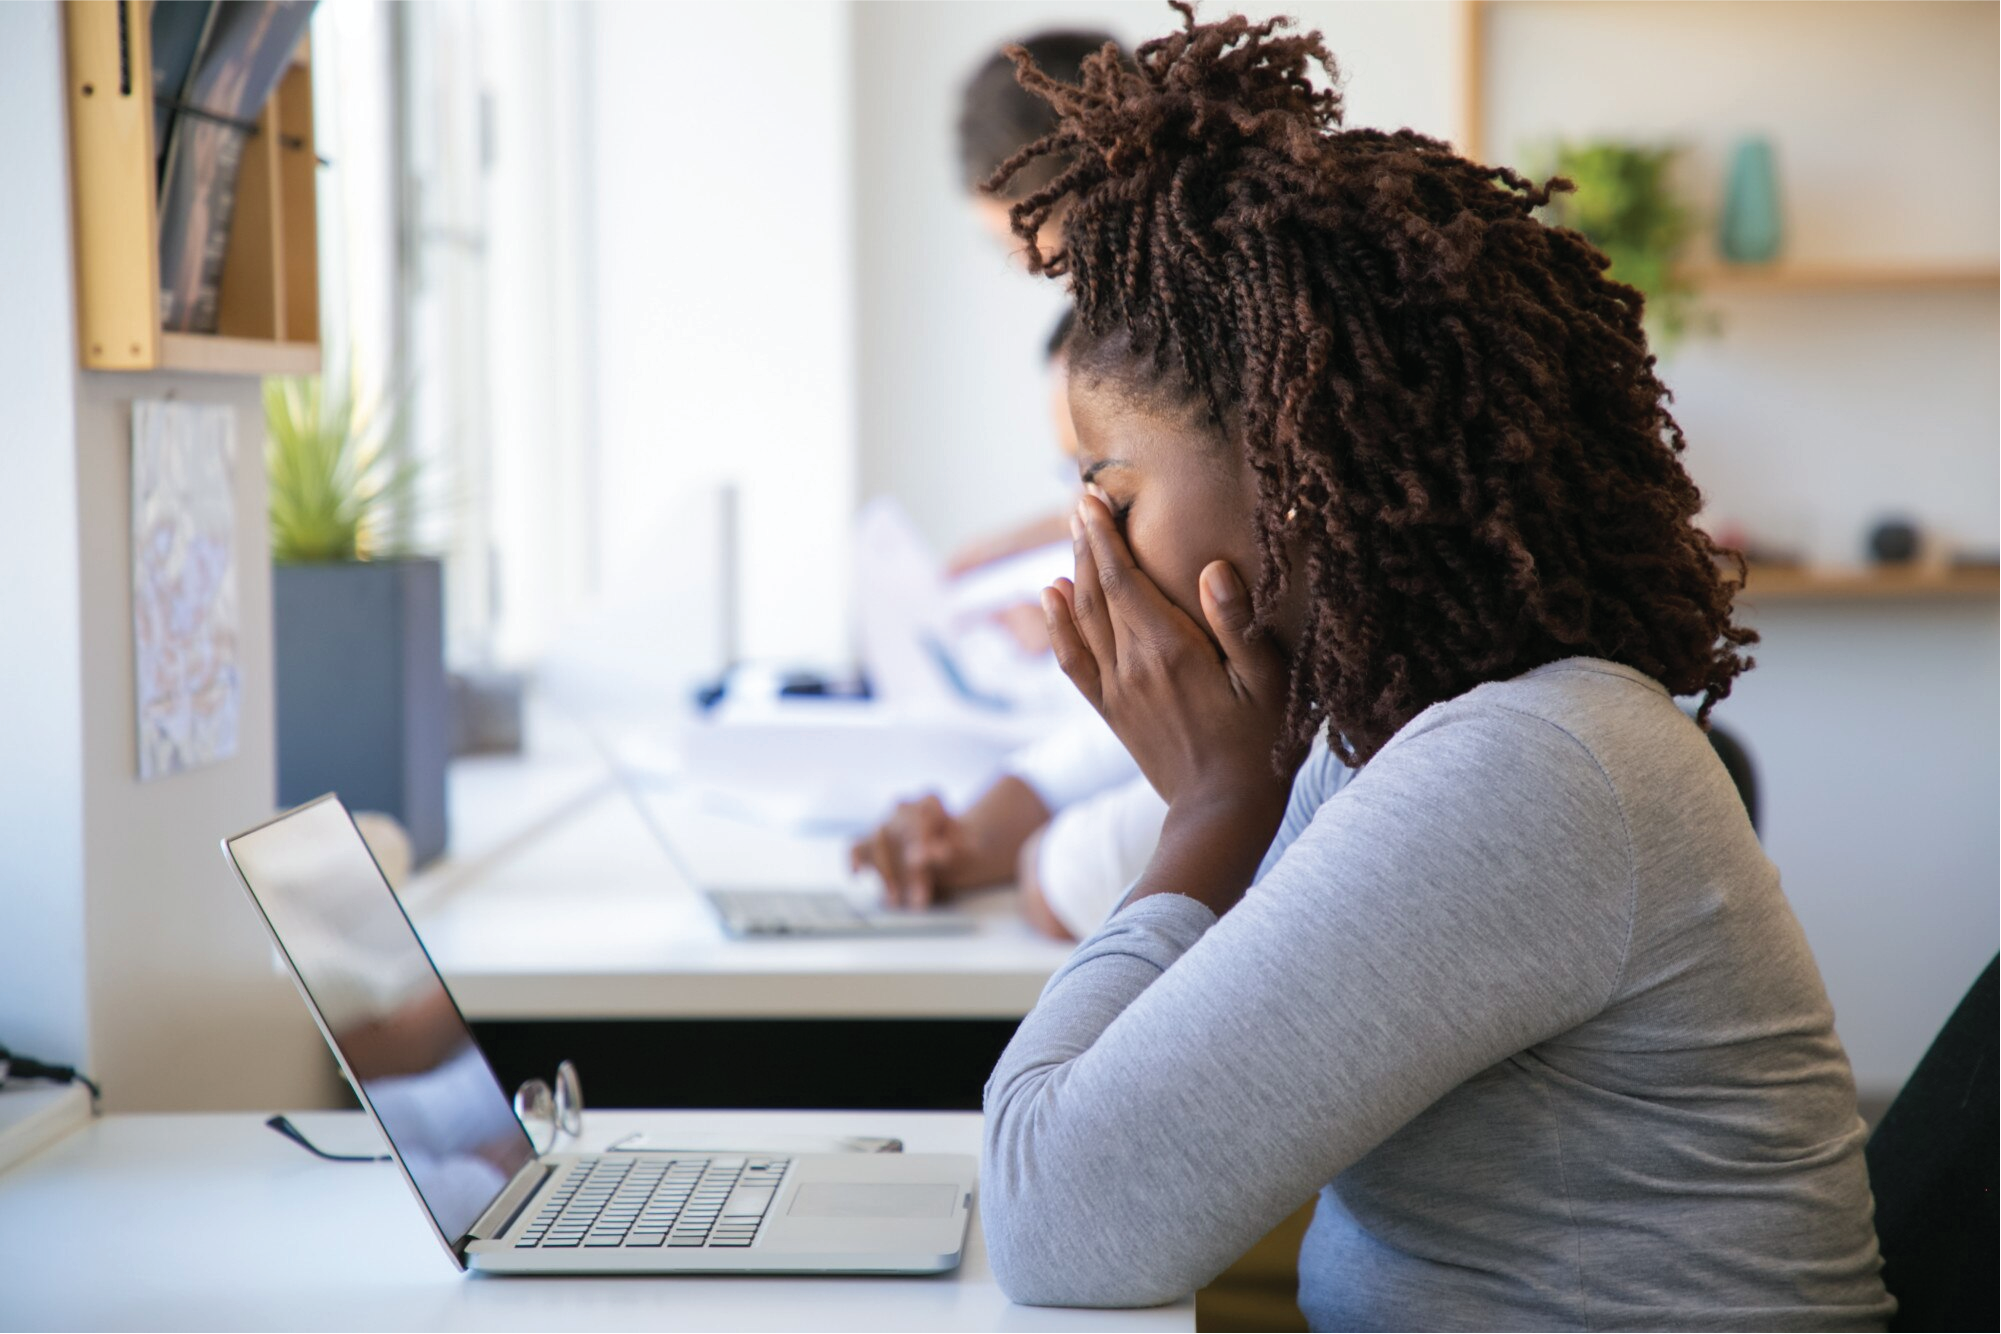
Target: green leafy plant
(338, 477)
(1626, 205)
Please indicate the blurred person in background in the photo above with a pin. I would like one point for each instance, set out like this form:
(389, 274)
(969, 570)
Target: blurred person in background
(1070, 819)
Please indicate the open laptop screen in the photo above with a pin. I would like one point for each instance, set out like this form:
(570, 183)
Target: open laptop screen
(382, 1003)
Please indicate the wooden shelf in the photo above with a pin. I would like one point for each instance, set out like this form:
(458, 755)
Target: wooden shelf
(268, 298)
(213, 354)
(1837, 277)
(1770, 584)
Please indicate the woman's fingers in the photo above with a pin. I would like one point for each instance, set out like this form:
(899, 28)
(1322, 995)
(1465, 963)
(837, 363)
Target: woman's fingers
(1133, 605)
(1072, 654)
(1088, 610)
(1256, 667)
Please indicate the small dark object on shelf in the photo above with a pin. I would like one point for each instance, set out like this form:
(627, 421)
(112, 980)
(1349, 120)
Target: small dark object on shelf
(1893, 542)
(486, 712)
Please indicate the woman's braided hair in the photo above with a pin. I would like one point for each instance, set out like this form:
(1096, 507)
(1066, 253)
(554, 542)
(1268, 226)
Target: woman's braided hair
(1457, 432)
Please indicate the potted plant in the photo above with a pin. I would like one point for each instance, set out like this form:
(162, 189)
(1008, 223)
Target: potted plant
(357, 618)
(1626, 205)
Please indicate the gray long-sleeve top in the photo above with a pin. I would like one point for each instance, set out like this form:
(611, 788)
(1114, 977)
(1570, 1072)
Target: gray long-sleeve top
(1522, 1001)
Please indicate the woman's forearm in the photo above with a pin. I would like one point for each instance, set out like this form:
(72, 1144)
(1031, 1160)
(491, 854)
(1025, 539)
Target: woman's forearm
(1064, 1221)
(1210, 849)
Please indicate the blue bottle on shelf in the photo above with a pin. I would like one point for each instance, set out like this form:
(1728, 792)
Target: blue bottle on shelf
(1750, 231)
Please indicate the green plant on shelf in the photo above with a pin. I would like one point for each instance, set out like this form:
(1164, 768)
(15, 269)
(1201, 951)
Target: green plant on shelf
(1625, 204)
(341, 485)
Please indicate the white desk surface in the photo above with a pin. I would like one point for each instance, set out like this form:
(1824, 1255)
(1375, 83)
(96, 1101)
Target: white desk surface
(558, 903)
(212, 1222)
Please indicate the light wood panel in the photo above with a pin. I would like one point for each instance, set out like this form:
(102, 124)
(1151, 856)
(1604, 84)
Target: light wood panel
(1472, 79)
(110, 95)
(1918, 582)
(1817, 277)
(250, 299)
(215, 354)
(298, 194)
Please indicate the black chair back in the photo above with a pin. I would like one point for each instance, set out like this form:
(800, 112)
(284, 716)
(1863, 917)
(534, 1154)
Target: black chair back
(1737, 762)
(1932, 1166)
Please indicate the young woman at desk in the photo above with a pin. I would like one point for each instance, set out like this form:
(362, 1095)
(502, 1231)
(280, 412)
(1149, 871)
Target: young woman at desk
(1381, 476)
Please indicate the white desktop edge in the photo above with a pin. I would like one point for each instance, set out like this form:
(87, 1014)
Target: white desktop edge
(34, 1117)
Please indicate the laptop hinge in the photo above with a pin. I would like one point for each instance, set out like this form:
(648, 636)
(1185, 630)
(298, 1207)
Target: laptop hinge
(500, 1215)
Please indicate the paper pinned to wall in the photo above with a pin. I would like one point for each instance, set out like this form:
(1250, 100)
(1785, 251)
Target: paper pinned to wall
(184, 594)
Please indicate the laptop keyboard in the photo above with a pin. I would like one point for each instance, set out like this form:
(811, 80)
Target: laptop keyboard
(787, 912)
(655, 1200)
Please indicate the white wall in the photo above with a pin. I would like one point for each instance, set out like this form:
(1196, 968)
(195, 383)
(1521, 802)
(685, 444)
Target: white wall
(1873, 732)
(43, 1008)
(952, 404)
(130, 950)
(539, 338)
(1873, 725)
(723, 327)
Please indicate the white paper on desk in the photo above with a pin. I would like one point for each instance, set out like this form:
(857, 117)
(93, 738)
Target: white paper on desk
(901, 606)
(1010, 580)
(928, 643)
(840, 764)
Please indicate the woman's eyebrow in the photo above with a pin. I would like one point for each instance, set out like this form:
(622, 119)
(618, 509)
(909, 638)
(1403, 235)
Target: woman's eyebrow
(1100, 466)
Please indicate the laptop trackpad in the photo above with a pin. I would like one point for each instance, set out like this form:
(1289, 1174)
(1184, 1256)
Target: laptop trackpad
(849, 1199)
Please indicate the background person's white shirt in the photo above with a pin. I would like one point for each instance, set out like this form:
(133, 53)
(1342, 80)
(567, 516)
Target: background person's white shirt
(1095, 849)
(1080, 759)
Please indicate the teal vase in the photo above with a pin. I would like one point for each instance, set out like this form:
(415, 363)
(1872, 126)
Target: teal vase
(1751, 231)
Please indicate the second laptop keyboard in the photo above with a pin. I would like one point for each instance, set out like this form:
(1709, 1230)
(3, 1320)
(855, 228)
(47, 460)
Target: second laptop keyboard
(657, 1200)
(787, 912)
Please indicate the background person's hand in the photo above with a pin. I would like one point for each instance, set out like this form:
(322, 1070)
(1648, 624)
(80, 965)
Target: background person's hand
(1026, 625)
(916, 851)
(1039, 532)
(924, 853)
(1200, 712)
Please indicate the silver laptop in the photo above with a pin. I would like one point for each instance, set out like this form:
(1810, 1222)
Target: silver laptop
(495, 1203)
(776, 913)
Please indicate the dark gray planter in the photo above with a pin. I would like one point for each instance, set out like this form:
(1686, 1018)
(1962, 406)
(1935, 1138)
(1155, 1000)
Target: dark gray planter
(362, 706)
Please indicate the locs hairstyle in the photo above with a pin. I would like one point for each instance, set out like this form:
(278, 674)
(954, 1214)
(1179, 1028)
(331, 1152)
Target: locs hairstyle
(1459, 439)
